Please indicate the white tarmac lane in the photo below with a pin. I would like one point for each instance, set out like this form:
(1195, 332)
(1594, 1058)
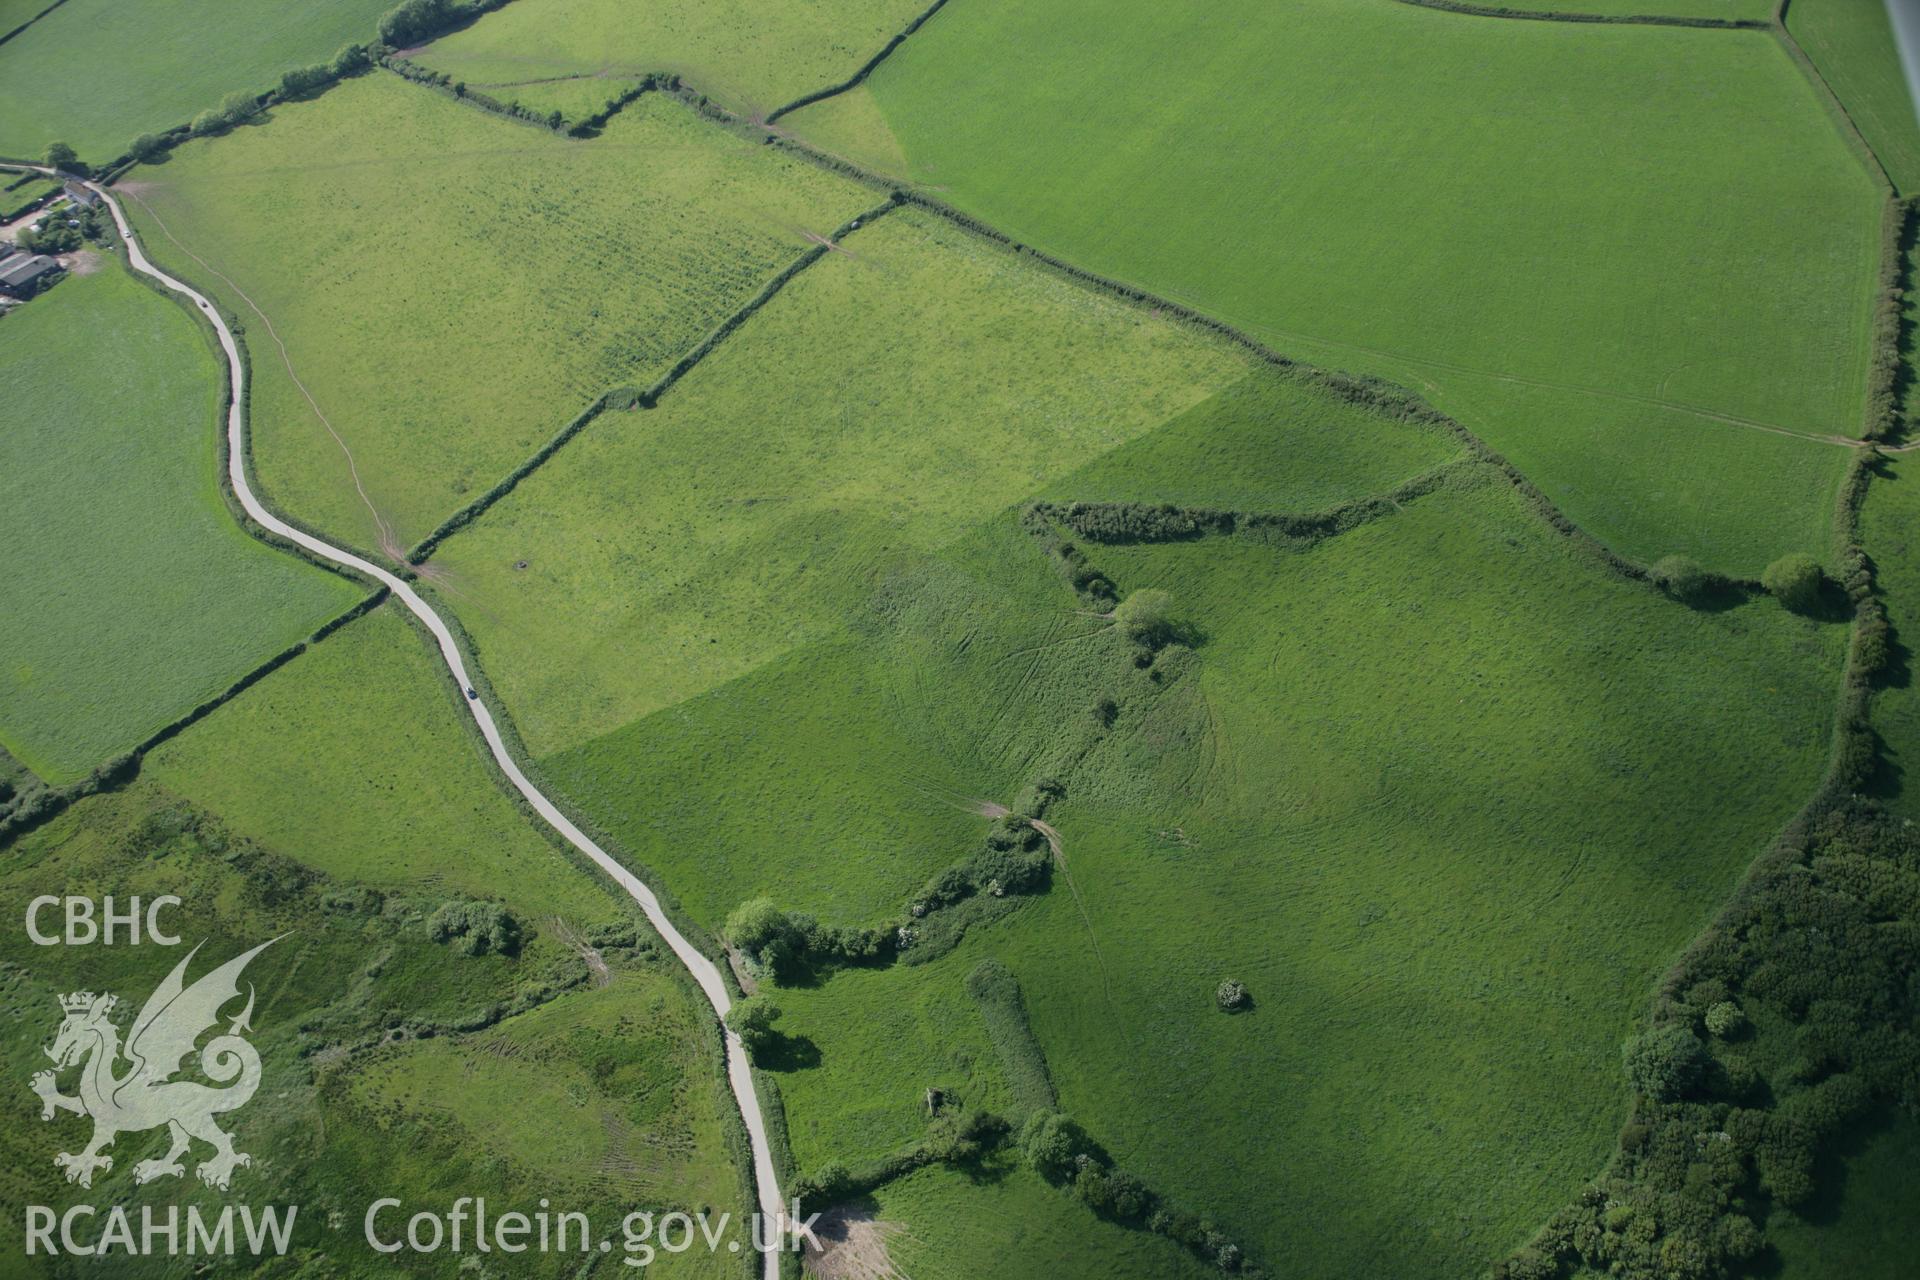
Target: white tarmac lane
(739, 1075)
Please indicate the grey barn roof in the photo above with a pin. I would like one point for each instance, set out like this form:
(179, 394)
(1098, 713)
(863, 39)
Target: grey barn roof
(19, 270)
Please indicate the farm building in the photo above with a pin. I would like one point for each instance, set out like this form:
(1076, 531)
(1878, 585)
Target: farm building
(81, 196)
(23, 275)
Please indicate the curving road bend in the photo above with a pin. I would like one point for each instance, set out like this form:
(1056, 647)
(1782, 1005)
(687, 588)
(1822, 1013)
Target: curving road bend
(739, 1075)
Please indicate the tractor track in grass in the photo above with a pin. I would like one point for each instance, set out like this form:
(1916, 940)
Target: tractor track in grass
(703, 970)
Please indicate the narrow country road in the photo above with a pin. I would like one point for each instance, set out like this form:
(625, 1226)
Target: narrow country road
(739, 1075)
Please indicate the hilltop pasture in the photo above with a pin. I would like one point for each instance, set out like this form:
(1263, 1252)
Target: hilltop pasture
(94, 73)
(132, 594)
(572, 55)
(1434, 790)
(889, 397)
(1852, 43)
(1531, 223)
(527, 275)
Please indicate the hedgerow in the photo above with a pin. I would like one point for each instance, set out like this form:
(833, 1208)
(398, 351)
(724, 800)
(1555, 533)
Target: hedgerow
(1559, 15)
(1815, 950)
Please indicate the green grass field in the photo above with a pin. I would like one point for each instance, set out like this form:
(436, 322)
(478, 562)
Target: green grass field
(333, 757)
(950, 1225)
(1750, 10)
(890, 397)
(569, 54)
(340, 803)
(1852, 44)
(1525, 221)
(1432, 791)
(94, 73)
(1444, 791)
(528, 274)
(133, 595)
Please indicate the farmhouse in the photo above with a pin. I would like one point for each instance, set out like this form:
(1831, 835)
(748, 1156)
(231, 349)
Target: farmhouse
(23, 275)
(80, 196)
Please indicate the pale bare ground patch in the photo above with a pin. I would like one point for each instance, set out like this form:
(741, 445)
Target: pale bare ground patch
(853, 1246)
(82, 262)
(990, 809)
(748, 984)
(596, 963)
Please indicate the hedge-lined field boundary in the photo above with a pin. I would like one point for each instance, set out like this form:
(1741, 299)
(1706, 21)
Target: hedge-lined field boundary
(1123, 523)
(237, 327)
(1887, 372)
(626, 398)
(1616, 19)
(30, 21)
(1769, 1143)
(1835, 106)
(35, 807)
(855, 80)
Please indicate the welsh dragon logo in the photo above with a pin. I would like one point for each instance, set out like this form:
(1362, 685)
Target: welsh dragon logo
(142, 1095)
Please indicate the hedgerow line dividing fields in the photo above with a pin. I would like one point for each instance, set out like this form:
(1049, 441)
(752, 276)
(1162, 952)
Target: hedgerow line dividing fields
(1566, 15)
(1517, 480)
(30, 21)
(905, 197)
(706, 975)
(643, 399)
(1386, 396)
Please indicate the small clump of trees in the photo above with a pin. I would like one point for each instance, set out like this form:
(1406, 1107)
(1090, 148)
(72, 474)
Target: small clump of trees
(780, 943)
(62, 157)
(477, 927)
(1666, 1063)
(1057, 1148)
(1795, 580)
(1231, 995)
(1146, 616)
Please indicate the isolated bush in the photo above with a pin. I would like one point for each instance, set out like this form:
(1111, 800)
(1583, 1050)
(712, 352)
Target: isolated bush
(1144, 615)
(1683, 578)
(1794, 580)
(1231, 995)
(752, 1020)
(1725, 1019)
(479, 927)
(1666, 1063)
